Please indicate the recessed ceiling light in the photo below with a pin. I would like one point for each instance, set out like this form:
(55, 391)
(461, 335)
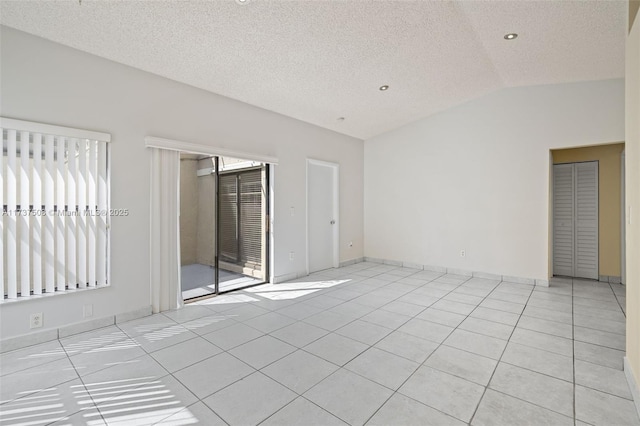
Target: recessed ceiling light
(242, 1)
(383, 88)
(511, 36)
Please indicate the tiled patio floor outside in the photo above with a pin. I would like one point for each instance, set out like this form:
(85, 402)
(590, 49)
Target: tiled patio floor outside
(197, 280)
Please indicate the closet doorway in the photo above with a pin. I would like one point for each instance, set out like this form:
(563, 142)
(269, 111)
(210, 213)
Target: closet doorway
(587, 212)
(224, 204)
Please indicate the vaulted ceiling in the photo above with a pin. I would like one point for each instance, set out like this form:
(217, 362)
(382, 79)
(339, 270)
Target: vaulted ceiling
(318, 61)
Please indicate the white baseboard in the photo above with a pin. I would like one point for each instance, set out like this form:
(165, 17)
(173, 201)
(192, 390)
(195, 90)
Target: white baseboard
(81, 327)
(463, 272)
(288, 277)
(487, 276)
(633, 384)
(351, 262)
(278, 279)
(457, 271)
(131, 315)
(284, 278)
(435, 268)
(610, 279)
(560, 280)
(19, 342)
(412, 265)
(519, 280)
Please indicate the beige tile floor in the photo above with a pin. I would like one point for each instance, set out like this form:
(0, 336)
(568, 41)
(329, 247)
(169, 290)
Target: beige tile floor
(365, 344)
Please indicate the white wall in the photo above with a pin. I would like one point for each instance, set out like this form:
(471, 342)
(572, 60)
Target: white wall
(47, 82)
(476, 177)
(632, 213)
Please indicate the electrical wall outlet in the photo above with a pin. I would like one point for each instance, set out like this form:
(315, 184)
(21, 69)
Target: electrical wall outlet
(35, 320)
(87, 311)
(463, 253)
(291, 255)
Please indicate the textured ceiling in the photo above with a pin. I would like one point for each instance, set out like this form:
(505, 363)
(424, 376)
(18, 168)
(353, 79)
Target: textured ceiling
(320, 60)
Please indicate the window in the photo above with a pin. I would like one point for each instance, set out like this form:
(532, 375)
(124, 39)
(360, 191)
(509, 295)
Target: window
(54, 189)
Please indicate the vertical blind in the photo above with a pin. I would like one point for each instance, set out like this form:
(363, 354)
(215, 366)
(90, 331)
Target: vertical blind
(54, 191)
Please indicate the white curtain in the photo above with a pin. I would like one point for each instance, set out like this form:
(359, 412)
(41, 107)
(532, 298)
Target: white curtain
(165, 236)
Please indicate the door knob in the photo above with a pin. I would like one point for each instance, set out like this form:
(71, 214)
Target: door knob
(333, 222)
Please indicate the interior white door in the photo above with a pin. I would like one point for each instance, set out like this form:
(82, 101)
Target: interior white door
(322, 212)
(575, 220)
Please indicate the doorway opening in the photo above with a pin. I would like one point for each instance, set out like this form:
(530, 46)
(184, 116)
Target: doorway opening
(585, 213)
(224, 211)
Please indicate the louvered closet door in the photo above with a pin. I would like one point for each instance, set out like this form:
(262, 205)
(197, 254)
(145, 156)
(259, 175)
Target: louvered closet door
(563, 215)
(586, 195)
(575, 220)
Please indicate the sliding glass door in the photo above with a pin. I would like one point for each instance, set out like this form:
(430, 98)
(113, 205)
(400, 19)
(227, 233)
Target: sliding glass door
(242, 227)
(223, 224)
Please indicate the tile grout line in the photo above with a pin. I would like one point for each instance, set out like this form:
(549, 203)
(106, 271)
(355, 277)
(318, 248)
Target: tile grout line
(442, 343)
(309, 401)
(501, 355)
(79, 377)
(147, 353)
(370, 346)
(530, 295)
(378, 341)
(259, 370)
(169, 374)
(21, 370)
(224, 351)
(421, 365)
(339, 367)
(301, 395)
(375, 288)
(84, 385)
(618, 300)
(378, 308)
